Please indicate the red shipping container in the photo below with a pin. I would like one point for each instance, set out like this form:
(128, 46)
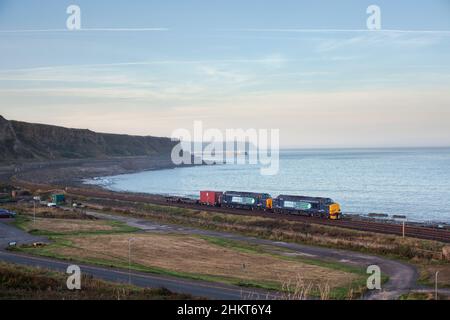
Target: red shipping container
(211, 198)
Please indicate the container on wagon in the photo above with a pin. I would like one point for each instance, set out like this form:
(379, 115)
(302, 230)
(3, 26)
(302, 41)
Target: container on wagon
(211, 198)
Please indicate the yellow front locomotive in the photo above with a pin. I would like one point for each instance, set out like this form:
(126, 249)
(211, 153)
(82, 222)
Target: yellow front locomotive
(308, 206)
(334, 211)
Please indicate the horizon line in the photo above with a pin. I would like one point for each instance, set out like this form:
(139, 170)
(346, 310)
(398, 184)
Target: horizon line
(281, 147)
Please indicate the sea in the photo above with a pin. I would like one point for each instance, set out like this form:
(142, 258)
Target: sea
(414, 182)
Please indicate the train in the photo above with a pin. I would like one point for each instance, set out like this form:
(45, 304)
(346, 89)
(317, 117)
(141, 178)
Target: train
(287, 204)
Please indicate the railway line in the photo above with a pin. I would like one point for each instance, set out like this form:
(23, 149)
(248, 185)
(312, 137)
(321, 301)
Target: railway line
(372, 226)
(410, 230)
(385, 227)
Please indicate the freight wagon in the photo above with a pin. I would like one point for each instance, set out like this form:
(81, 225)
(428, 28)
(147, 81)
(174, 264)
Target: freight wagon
(211, 198)
(311, 206)
(246, 200)
(181, 200)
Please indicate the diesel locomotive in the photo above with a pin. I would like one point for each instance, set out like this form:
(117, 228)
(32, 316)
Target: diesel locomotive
(291, 204)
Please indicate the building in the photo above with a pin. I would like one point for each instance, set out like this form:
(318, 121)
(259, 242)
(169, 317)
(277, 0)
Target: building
(58, 198)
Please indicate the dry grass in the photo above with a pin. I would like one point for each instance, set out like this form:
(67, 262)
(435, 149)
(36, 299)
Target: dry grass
(428, 272)
(424, 296)
(17, 282)
(300, 289)
(187, 254)
(27, 209)
(98, 241)
(291, 231)
(67, 225)
(425, 254)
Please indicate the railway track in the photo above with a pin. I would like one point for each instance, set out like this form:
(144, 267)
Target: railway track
(411, 230)
(372, 226)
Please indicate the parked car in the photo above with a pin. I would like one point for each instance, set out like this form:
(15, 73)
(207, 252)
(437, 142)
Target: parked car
(7, 214)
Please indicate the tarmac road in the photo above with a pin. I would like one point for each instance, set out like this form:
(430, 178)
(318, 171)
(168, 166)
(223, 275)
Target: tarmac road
(10, 233)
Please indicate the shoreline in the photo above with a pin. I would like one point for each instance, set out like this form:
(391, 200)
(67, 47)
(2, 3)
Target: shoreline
(109, 185)
(111, 199)
(65, 174)
(72, 173)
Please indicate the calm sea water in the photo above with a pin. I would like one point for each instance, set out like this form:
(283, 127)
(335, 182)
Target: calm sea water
(411, 182)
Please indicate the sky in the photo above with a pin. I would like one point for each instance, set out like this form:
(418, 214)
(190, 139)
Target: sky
(308, 68)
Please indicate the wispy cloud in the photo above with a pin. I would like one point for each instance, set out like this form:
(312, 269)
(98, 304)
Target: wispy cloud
(132, 74)
(221, 74)
(381, 31)
(267, 60)
(363, 41)
(85, 30)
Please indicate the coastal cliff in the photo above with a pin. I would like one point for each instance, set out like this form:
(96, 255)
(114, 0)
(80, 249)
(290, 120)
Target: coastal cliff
(22, 141)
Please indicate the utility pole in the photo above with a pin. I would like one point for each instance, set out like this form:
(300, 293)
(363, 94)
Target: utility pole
(436, 286)
(403, 228)
(35, 199)
(129, 261)
(34, 211)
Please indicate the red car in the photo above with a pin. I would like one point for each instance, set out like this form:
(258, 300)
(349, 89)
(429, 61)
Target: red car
(211, 198)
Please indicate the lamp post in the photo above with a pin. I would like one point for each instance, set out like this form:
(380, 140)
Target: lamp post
(436, 286)
(129, 259)
(35, 198)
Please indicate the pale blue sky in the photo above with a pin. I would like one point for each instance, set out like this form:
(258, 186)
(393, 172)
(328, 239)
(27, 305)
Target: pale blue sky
(233, 64)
